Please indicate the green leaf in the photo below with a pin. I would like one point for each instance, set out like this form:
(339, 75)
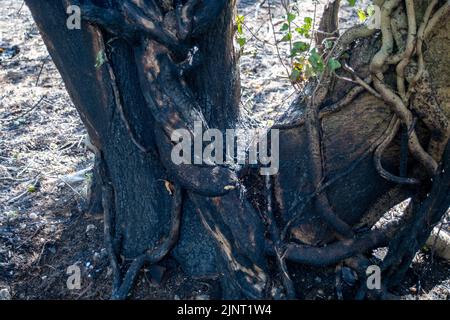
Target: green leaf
(239, 24)
(291, 17)
(362, 15)
(100, 59)
(31, 189)
(239, 29)
(301, 46)
(352, 2)
(305, 28)
(308, 21)
(334, 64)
(241, 41)
(284, 27)
(302, 31)
(316, 61)
(287, 37)
(240, 19)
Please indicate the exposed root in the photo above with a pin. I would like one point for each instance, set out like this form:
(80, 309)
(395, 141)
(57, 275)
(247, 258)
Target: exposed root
(326, 184)
(327, 110)
(239, 234)
(317, 175)
(438, 16)
(344, 249)
(335, 252)
(108, 198)
(275, 235)
(410, 45)
(392, 131)
(387, 45)
(363, 83)
(359, 264)
(119, 106)
(406, 117)
(121, 288)
(419, 46)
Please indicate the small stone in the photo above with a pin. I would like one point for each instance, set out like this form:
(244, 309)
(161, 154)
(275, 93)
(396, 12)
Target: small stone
(33, 216)
(4, 294)
(176, 297)
(318, 280)
(202, 297)
(413, 289)
(90, 227)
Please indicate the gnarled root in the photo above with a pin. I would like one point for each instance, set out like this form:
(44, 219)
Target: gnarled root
(122, 286)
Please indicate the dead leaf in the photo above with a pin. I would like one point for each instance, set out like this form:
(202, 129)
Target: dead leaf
(169, 187)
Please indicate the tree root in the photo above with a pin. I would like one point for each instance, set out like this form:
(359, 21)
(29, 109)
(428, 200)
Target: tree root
(108, 198)
(410, 45)
(323, 206)
(326, 184)
(239, 233)
(392, 131)
(419, 45)
(122, 286)
(325, 111)
(119, 106)
(406, 117)
(275, 235)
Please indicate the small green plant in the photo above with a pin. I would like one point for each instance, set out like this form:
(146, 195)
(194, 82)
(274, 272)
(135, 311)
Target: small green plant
(364, 14)
(306, 60)
(240, 38)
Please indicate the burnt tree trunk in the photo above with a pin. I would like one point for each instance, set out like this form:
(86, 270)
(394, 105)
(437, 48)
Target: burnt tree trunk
(138, 69)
